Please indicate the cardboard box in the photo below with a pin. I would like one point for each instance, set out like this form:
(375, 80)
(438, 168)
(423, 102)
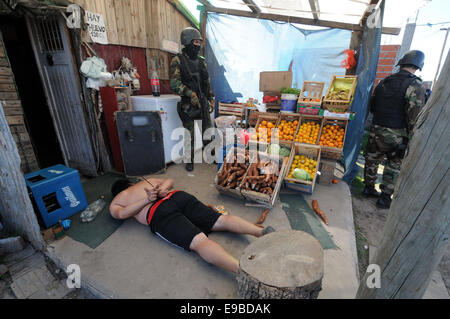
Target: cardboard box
(273, 81)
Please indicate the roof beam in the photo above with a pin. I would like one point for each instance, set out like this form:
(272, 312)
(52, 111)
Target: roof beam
(279, 17)
(252, 5)
(372, 4)
(314, 4)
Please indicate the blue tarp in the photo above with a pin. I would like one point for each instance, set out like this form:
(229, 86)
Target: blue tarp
(366, 71)
(239, 48)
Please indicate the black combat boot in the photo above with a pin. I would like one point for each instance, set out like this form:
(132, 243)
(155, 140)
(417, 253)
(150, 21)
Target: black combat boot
(384, 202)
(189, 167)
(370, 191)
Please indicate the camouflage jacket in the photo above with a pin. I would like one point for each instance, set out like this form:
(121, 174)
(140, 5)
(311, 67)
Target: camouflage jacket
(415, 100)
(176, 83)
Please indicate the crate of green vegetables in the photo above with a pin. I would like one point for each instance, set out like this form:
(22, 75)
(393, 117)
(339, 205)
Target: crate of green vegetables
(301, 172)
(282, 148)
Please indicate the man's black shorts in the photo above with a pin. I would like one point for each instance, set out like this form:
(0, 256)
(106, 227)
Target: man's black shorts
(182, 217)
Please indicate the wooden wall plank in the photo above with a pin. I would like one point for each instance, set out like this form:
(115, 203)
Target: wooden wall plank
(121, 32)
(6, 79)
(130, 40)
(138, 23)
(8, 87)
(142, 32)
(111, 22)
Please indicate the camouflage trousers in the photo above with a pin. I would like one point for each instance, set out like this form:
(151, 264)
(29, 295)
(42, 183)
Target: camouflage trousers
(382, 144)
(189, 139)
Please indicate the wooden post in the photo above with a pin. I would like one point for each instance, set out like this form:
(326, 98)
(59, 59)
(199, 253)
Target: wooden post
(417, 230)
(15, 206)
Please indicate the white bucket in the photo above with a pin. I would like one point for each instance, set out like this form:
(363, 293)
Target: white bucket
(288, 103)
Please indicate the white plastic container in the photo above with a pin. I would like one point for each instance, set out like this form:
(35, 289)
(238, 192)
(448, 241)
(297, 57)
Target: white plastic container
(288, 103)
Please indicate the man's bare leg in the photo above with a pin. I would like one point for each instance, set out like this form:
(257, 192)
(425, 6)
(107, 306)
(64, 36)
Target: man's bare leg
(237, 225)
(213, 253)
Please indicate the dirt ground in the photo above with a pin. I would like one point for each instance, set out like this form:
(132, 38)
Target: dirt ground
(369, 223)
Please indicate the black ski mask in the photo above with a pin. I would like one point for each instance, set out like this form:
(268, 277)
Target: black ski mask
(192, 50)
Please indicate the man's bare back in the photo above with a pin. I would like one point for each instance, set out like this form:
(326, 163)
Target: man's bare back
(137, 197)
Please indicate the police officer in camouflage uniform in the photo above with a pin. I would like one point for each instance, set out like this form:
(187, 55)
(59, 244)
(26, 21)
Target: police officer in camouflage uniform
(395, 104)
(190, 79)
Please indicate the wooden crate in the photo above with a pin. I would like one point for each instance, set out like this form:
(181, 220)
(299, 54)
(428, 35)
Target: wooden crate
(263, 117)
(237, 110)
(289, 118)
(309, 150)
(333, 152)
(224, 190)
(342, 105)
(311, 94)
(266, 199)
(309, 118)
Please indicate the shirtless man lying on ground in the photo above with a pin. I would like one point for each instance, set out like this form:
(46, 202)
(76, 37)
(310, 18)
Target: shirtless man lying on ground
(179, 218)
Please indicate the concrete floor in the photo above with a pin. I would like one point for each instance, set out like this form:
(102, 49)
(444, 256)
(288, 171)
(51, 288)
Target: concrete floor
(133, 263)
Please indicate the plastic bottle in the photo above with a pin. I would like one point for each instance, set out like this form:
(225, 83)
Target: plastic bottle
(155, 83)
(92, 210)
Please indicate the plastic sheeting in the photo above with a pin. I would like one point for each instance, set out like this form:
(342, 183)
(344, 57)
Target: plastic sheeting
(240, 48)
(366, 71)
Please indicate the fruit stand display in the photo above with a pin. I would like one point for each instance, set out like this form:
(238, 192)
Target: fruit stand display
(332, 137)
(340, 93)
(302, 167)
(264, 178)
(309, 129)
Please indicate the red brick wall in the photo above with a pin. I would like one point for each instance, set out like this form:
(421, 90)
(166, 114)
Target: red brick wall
(386, 61)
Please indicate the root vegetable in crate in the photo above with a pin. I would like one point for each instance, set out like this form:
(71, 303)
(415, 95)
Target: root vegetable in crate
(308, 133)
(234, 169)
(286, 130)
(332, 136)
(262, 177)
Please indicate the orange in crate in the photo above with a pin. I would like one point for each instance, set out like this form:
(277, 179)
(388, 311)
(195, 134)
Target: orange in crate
(264, 131)
(308, 133)
(286, 130)
(332, 136)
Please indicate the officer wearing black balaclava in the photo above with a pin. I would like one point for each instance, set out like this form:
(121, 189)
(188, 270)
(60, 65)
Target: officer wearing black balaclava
(189, 78)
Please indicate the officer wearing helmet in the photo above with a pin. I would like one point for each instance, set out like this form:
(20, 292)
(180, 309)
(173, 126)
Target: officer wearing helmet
(190, 79)
(395, 104)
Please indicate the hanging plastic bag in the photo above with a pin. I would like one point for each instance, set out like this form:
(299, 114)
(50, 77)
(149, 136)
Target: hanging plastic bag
(349, 62)
(93, 67)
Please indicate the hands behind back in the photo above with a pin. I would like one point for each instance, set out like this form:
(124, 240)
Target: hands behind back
(152, 194)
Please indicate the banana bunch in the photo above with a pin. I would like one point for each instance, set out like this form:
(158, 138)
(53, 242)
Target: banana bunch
(338, 95)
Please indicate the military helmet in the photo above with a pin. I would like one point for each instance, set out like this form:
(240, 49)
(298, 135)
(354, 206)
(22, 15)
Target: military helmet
(189, 34)
(414, 57)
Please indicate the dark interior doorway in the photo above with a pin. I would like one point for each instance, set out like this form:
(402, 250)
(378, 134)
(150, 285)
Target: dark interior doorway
(36, 110)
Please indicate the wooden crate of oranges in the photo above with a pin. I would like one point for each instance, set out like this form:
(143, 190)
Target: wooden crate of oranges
(287, 127)
(309, 129)
(332, 137)
(306, 157)
(262, 134)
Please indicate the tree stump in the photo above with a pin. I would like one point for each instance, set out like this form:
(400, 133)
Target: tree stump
(281, 265)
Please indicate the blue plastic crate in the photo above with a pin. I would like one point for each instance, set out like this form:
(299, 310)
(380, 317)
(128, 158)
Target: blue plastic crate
(57, 193)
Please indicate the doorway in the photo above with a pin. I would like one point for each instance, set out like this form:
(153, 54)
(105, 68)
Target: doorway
(36, 110)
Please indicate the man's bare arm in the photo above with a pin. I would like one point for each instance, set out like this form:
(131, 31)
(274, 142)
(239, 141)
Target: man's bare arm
(124, 212)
